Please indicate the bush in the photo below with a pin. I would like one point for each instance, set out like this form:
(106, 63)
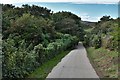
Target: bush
(97, 42)
(21, 60)
(17, 62)
(30, 37)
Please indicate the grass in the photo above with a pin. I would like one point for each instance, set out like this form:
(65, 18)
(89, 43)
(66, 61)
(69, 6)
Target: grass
(104, 61)
(89, 30)
(46, 68)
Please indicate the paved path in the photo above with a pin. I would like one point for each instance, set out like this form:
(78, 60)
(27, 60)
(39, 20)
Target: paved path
(74, 65)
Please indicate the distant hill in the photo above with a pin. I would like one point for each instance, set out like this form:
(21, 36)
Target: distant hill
(87, 24)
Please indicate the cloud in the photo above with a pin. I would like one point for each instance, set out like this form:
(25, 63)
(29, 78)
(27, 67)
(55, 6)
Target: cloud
(74, 1)
(86, 17)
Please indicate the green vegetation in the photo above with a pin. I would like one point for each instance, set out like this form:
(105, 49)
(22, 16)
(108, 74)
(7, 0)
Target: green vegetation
(104, 61)
(102, 43)
(31, 37)
(45, 69)
(104, 33)
(69, 23)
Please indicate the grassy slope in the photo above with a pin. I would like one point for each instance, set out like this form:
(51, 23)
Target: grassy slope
(45, 69)
(104, 61)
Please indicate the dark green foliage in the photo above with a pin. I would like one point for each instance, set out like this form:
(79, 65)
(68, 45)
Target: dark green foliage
(20, 61)
(105, 18)
(69, 23)
(30, 37)
(17, 62)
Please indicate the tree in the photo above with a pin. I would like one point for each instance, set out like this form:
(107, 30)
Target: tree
(105, 18)
(67, 22)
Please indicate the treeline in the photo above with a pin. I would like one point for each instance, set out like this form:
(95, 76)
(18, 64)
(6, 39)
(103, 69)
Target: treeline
(33, 35)
(105, 33)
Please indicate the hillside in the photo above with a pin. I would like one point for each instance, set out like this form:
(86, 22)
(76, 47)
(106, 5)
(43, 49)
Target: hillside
(102, 44)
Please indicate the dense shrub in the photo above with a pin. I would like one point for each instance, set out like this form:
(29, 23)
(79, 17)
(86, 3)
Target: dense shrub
(97, 42)
(19, 61)
(28, 46)
(105, 34)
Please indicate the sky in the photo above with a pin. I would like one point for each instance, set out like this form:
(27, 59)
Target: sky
(88, 10)
(80, 1)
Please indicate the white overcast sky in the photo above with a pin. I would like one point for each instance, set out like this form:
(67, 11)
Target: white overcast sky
(76, 1)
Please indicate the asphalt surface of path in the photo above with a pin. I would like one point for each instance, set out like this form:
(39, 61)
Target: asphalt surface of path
(74, 65)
